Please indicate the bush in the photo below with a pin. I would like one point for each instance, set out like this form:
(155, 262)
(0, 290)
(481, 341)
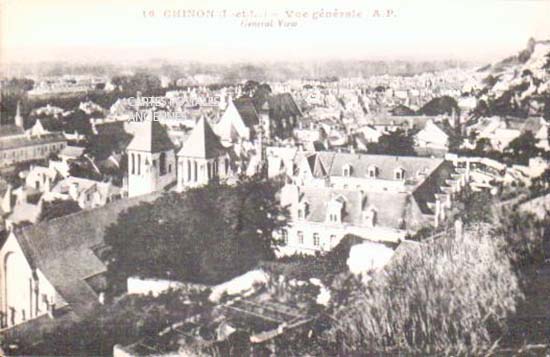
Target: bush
(442, 298)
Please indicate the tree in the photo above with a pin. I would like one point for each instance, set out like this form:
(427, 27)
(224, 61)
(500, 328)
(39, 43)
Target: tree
(261, 94)
(522, 148)
(440, 105)
(58, 208)
(395, 143)
(205, 235)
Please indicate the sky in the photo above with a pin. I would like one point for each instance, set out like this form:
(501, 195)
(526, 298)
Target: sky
(127, 30)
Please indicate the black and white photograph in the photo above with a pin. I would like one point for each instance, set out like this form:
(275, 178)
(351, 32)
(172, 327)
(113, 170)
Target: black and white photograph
(274, 178)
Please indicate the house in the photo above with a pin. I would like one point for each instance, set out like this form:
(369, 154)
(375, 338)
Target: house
(56, 266)
(433, 139)
(202, 158)
(377, 197)
(501, 131)
(280, 161)
(151, 159)
(41, 178)
(21, 205)
(87, 193)
(322, 216)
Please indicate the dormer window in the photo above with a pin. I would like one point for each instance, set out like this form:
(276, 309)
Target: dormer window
(399, 174)
(370, 216)
(347, 170)
(303, 210)
(335, 210)
(373, 171)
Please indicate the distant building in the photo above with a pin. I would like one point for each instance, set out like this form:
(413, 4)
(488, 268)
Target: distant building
(17, 146)
(239, 121)
(433, 139)
(243, 119)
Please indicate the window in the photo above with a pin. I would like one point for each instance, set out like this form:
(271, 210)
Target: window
(284, 236)
(347, 171)
(399, 174)
(373, 171)
(316, 240)
(300, 237)
(162, 164)
(133, 163)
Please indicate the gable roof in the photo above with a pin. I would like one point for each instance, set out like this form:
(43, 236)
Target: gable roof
(386, 164)
(150, 136)
(63, 249)
(282, 106)
(202, 143)
(24, 141)
(316, 166)
(247, 111)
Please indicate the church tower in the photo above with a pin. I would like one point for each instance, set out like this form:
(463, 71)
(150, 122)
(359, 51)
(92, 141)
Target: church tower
(202, 158)
(151, 159)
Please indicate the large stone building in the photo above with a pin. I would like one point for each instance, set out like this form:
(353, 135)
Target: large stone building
(376, 197)
(56, 267)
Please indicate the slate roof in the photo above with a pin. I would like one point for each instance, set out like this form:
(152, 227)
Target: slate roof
(62, 249)
(150, 136)
(202, 143)
(282, 106)
(316, 166)
(247, 111)
(20, 142)
(385, 164)
(393, 210)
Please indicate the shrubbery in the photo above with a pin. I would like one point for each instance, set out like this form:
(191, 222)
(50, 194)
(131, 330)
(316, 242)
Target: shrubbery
(438, 298)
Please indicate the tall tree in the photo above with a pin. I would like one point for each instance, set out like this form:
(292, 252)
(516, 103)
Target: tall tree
(205, 235)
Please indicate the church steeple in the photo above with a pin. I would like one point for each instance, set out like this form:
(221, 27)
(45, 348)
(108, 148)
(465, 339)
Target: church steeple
(18, 117)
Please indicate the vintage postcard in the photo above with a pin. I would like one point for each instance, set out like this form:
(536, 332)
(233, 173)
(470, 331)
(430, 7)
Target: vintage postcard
(274, 178)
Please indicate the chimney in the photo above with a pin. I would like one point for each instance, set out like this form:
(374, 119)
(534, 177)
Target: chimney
(48, 185)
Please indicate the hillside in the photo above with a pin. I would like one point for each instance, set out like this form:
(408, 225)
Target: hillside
(518, 85)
